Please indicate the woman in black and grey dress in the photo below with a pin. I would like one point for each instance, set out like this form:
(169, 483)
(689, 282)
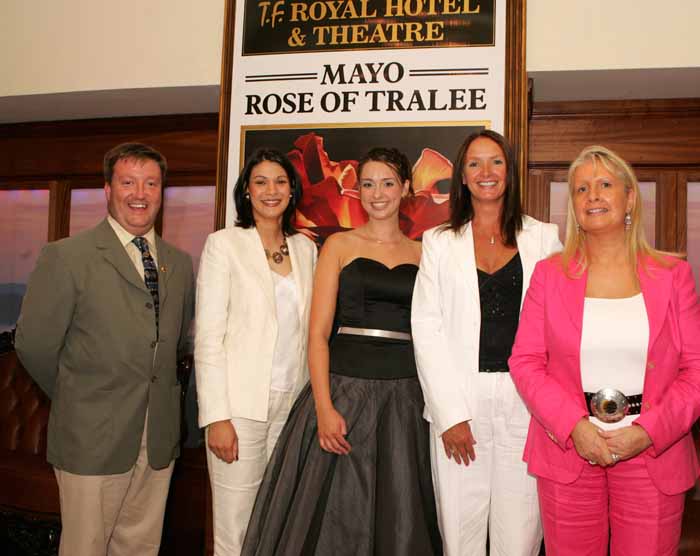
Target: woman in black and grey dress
(351, 470)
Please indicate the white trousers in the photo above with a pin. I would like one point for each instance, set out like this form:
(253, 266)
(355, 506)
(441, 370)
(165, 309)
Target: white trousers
(494, 494)
(235, 485)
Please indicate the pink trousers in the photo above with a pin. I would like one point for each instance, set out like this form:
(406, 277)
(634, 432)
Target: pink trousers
(619, 505)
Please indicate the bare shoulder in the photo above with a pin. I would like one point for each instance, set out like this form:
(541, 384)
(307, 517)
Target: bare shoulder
(337, 247)
(340, 240)
(416, 248)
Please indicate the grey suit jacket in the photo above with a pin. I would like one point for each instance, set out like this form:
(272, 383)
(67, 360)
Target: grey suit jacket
(87, 335)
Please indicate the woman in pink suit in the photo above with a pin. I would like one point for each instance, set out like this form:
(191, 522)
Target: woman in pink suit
(607, 358)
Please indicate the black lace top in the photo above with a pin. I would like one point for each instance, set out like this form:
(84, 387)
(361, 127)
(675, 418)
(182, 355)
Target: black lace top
(500, 295)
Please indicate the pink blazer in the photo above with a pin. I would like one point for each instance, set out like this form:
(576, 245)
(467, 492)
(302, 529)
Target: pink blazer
(545, 366)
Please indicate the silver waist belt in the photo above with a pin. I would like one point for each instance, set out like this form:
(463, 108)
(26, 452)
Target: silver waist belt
(610, 405)
(374, 333)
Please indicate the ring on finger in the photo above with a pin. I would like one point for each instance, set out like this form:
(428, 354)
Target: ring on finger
(615, 458)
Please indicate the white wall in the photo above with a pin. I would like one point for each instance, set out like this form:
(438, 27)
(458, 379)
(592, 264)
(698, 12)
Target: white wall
(564, 35)
(52, 46)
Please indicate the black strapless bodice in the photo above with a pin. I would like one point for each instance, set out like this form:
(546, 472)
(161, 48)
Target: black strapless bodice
(372, 295)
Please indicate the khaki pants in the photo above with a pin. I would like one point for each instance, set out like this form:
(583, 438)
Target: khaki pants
(114, 515)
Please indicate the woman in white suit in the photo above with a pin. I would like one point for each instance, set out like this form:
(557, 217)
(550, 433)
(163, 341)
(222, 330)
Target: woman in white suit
(473, 275)
(253, 297)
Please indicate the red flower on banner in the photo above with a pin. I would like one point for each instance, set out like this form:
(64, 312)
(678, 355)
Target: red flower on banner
(331, 200)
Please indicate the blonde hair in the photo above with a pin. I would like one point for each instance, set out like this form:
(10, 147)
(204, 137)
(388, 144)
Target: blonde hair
(635, 240)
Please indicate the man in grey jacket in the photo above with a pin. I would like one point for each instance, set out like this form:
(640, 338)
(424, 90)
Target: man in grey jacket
(103, 321)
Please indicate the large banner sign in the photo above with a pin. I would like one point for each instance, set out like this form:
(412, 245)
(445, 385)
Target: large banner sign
(326, 80)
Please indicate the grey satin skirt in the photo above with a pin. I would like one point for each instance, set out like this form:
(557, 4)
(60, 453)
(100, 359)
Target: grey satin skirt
(378, 500)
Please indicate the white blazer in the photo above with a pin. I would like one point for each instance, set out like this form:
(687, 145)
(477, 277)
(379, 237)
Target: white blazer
(236, 323)
(446, 316)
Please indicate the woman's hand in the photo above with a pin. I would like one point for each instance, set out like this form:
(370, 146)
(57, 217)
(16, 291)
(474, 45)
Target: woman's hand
(459, 443)
(223, 440)
(626, 442)
(590, 445)
(332, 431)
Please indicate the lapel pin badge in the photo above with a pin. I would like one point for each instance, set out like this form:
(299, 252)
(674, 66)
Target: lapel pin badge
(163, 268)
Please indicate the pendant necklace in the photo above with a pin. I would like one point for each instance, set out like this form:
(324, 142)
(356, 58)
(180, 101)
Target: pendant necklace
(385, 241)
(278, 256)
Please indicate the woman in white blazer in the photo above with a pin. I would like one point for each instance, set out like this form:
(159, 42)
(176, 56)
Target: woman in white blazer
(253, 297)
(473, 275)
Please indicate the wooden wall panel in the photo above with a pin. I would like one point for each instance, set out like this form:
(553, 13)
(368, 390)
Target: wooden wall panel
(59, 209)
(74, 150)
(684, 177)
(644, 132)
(668, 220)
(660, 138)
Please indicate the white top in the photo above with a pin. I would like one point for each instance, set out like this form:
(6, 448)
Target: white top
(614, 343)
(285, 358)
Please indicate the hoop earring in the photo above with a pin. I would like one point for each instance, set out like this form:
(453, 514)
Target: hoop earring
(628, 221)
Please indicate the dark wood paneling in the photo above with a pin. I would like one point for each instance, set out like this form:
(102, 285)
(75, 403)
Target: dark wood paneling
(660, 138)
(67, 155)
(225, 113)
(684, 177)
(666, 213)
(74, 150)
(59, 210)
(668, 107)
(537, 199)
(644, 132)
(516, 90)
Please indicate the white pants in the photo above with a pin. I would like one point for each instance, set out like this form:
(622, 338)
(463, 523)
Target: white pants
(494, 493)
(235, 485)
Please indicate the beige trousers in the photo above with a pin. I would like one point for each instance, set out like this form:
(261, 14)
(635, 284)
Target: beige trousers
(114, 515)
(235, 485)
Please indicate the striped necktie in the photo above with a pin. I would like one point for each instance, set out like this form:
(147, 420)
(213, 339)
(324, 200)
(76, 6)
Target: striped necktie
(150, 272)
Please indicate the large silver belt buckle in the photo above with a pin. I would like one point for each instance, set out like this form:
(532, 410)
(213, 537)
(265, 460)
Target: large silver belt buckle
(609, 405)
